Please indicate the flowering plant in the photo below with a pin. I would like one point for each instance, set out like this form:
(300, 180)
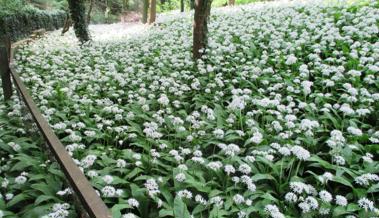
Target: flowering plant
(279, 119)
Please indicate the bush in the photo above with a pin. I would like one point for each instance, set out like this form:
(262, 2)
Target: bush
(19, 23)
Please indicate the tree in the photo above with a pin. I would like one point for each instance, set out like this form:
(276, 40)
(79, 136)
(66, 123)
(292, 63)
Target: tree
(78, 16)
(200, 27)
(153, 11)
(145, 11)
(181, 5)
(92, 2)
(231, 2)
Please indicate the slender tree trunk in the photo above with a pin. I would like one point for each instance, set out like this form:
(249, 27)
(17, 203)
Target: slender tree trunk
(145, 11)
(231, 2)
(78, 16)
(153, 11)
(181, 5)
(200, 28)
(192, 4)
(90, 11)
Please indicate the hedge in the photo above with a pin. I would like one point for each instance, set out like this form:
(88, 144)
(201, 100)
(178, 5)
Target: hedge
(25, 21)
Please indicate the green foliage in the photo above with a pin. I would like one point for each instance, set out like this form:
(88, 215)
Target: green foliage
(30, 182)
(18, 20)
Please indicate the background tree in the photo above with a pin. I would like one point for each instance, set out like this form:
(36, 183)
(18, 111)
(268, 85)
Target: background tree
(153, 11)
(231, 2)
(78, 16)
(91, 3)
(181, 5)
(200, 27)
(192, 4)
(145, 10)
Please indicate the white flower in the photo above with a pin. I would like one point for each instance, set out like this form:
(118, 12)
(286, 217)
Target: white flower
(300, 152)
(291, 59)
(354, 131)
(366, 204)
(238, 103)
(291, 197)
(152, 187)
(108, 191)
(325, 196)
(218, 133)
(185, 194)
(244, 168)
(341, 200)
(257, 138)
(163, 100)
(20, 180)
(133, 202)
(121, 163)
(230, 150)
(365, 179)
(307, 87)
(129, 215)
(229, 169)
(336, 139)
(108, 179)
(274, 212)
(215, 165)
(180, 177)
(199, 199)
(238, 199)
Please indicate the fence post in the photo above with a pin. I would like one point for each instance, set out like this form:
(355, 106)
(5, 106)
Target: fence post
(4, 68)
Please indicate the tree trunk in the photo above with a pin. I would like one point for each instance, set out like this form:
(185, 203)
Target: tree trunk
(67, 24)
(90, 11)
(78, 16)
(192, 4)
(181, 5)
(231, 2)
(145, 11)
(153, 11)
(200, 28)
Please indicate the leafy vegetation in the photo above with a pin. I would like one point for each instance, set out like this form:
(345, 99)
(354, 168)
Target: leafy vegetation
(280, 118)
(18, 21)
(31, 185)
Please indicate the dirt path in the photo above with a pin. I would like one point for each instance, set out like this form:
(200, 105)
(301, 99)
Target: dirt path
(116, 31)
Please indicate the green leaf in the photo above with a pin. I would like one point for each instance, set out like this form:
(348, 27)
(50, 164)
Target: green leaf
(165, 213)
(373, 188)
(43, 198)
(258, 177)
(342, 180)
(180, 209)
(17, 199)
(116, 210)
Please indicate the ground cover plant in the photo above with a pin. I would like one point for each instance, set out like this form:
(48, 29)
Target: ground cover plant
(280, 119)
(31, 185)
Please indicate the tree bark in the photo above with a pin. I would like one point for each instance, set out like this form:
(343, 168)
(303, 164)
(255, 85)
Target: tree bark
(231, 2)
(181, 5)
(78, 16)
(200, 28)
(145, 11)
(90, 11)
(153, 11)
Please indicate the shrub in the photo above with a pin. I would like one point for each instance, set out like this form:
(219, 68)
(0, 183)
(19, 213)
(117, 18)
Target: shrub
(22, 22)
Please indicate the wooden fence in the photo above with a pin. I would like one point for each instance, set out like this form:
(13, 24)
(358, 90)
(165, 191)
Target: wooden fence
(83, 189)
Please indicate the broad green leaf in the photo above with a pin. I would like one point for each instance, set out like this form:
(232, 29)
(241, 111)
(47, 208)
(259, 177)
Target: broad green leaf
(180, 209)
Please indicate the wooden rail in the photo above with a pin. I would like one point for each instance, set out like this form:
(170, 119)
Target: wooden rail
(89, 199)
